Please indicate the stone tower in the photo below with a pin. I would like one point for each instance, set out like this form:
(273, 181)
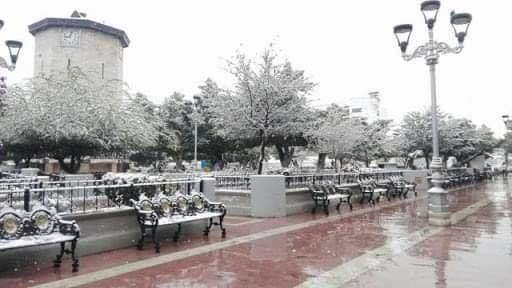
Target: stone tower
(61, 43)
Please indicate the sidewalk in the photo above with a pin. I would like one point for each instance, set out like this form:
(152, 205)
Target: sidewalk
(387, 246)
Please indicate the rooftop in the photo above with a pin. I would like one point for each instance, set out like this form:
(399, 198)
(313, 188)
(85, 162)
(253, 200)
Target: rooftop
(79, 23)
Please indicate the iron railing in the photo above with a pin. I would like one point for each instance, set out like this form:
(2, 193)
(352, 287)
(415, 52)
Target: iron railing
(91, 198)
(233, 182)
(299, 181)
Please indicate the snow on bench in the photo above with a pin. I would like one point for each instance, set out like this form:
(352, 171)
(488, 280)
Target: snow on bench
(325, 193)
(165, 210)
(41, 226)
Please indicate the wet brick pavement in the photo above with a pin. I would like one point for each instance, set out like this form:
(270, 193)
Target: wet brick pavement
(290, 251)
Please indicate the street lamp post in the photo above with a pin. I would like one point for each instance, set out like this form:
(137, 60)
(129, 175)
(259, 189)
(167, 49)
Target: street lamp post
(14, 50)
(508, 124)
(196, 117)
(195, 142)
(439, 214)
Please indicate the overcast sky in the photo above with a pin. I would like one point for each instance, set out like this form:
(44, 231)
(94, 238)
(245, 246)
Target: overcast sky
(346, 46)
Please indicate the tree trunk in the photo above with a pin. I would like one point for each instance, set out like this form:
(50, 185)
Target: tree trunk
(178, 158)
(27, 161)
(506, 162)
(321, 161)
(427, 161)
(366, 159)
(285, 154)
(262, 152)
(73, 166)
(220, 161)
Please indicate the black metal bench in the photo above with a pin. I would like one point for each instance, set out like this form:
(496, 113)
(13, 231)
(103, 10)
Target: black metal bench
(401, 187)
(41, 226)
(176, 210)
(324, 194)
(371, 190)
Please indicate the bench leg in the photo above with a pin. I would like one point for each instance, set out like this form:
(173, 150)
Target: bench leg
(349, 202)
(371, 201)
(76, 262)
(221, 221)
(140, 243)
(378, 198)
(58, 260)
(177, 233)
(154, 238)
(208, 227)
(211, 223)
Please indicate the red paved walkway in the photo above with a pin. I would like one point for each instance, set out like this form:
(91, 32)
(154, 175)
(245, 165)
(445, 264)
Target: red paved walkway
(291, 254)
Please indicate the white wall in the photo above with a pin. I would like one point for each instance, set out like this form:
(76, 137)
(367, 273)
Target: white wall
(95, 48)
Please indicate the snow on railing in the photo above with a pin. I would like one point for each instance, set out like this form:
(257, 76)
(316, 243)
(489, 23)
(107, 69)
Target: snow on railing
(233, 182)
(6, 177)
(299, 181)
(82, 199)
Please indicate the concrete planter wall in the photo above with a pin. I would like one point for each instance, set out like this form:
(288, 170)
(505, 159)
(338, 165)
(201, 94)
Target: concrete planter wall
(419, 177)
(268, 196)
(238, 202)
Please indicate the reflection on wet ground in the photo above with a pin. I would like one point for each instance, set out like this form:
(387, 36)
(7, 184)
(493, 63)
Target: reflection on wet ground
(474, 253)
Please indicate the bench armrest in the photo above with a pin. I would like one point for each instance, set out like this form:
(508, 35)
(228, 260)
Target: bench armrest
(343, 190)
(68, 227)
(317, 194)
(214, 203)
(216, 207)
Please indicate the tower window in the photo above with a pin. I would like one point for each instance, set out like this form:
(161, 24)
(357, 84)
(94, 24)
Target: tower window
(69, 63)
(102, 70)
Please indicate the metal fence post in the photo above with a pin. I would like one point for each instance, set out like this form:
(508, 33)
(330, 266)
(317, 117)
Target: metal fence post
(26, 200)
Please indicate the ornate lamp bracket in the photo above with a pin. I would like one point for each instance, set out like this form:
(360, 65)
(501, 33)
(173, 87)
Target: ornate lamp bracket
(431, 52)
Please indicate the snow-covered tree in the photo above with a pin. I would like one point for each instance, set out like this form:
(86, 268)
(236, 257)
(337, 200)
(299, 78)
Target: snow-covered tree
(176, 112)
(68, 115)
(337, 136)
(267, 103)
(211, 145)
(374, 140)
(462, 139)
(416, 130)
(458, 137)
(166, 138)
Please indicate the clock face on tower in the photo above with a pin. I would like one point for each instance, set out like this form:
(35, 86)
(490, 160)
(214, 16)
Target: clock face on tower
(70, 38)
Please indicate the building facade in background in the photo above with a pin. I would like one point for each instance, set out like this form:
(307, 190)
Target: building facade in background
(61, 43)
(367, 107)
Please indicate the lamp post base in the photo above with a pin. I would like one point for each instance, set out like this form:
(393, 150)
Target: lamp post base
(439, 219)
(438, 207)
